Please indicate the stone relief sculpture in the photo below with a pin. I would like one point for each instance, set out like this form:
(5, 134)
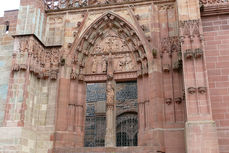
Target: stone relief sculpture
(125, 63)
(94, 64)
(42, 62)
(65, 4)
(111, 46)
(104, 64)
(110, 93)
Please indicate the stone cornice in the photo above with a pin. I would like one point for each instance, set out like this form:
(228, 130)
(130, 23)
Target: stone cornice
(33, 35)
(214, 9)
(110, 6)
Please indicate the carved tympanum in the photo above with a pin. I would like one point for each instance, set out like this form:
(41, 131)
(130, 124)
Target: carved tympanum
(110, 44)
(110, 37)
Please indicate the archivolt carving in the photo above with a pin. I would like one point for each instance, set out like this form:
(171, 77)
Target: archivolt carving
(32, 56)
(109, 35)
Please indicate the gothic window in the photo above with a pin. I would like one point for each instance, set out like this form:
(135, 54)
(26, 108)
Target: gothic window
(127, 117)
(126, 129)
(126, 114)
(7, 27)
(95, 124)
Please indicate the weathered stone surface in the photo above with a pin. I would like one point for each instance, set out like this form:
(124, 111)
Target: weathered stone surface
(172, 53)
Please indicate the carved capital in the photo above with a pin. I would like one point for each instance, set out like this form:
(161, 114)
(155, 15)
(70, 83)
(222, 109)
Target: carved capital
(178, 100)
(166, 67)
(202, 90)
(15, 67)
(198, 53)
(53, 74)
(168, 101)
(23, 67)
(191, 90)
(188, 54)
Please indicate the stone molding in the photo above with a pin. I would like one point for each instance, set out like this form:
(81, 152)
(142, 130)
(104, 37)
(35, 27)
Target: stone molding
(213, 7)
(65, 5)
(36, 58)
(87, 47)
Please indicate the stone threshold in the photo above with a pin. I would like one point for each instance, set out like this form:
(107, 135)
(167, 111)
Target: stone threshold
(138, 149)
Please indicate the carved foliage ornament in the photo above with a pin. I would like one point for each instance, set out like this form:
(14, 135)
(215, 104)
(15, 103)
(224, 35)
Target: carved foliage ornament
(66, 4)
(197, 53)
(213, 2)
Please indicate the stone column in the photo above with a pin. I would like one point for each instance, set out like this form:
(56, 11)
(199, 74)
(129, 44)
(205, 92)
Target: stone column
(200, 129)
(110, 138)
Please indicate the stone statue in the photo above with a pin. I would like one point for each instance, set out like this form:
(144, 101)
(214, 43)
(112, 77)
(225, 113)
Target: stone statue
(128, 62)
(125, 63)
(104, 64)
(110, 93)
(94, 64)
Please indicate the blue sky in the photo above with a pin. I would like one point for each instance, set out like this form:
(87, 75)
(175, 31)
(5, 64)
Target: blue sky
(8, 5)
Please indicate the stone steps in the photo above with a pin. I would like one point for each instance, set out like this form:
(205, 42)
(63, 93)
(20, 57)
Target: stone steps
(138, 149)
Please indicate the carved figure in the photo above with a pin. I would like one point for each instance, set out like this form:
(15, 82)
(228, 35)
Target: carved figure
(121, 64)
(128, 62)
(108, 47)
(110, 93)
(94, 64)
(125, 63)
(104, 64)
(110, 69)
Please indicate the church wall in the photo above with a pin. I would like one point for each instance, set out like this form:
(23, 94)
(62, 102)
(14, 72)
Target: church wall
(72, 25)
(39, 111)
(38, 131)
(31, 103)
(172, 84)
(6, 50)
(9, 136)
(30, 111)
(216, 34)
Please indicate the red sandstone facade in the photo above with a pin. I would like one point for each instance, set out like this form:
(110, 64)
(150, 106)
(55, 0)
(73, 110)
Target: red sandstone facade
(176, 50)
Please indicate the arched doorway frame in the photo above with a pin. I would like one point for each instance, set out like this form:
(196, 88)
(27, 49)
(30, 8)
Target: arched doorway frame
(78, 80)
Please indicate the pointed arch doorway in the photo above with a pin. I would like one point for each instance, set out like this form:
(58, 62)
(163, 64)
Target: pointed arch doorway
(109, 51)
